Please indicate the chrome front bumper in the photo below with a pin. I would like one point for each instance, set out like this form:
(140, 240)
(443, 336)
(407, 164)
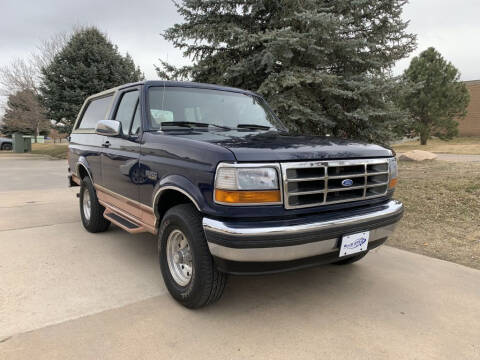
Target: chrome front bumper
(267, 242)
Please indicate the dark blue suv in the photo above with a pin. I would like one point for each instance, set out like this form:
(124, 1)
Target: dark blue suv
(215, 174)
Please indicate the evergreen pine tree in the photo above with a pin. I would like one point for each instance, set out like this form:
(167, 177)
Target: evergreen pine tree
(89, 63)
(438, 98)
(323, 65)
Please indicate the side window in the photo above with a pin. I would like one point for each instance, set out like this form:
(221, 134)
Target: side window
(127, 110)
(96, 110)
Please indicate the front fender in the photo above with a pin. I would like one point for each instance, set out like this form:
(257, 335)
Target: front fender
(181, 184)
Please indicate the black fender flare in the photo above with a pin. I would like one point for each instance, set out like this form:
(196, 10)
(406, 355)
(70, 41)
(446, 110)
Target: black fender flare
(180, 184)
(82, 162)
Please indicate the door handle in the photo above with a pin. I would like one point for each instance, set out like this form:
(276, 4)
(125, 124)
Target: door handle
(106, 144)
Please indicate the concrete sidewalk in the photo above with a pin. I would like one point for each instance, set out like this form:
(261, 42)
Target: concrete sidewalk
(69, 294)
(393, 305)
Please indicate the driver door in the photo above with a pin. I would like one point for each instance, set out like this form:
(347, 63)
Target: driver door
(120, 156)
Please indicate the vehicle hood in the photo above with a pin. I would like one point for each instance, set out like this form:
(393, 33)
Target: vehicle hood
(273, 146)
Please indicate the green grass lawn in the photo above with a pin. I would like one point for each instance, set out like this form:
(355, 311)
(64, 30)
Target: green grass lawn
(58, 151)
(442, 208)
(459, 145)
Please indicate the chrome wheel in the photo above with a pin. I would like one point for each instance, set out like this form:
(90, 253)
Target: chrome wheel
(87, 204)
(179, 257)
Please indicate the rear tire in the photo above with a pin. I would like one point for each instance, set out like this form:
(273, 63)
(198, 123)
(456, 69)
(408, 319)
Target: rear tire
(352, 259)
(185, 260)
(7, 147)
(90, 209)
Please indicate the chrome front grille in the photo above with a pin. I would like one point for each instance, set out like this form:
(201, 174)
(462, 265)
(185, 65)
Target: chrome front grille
(314, 183)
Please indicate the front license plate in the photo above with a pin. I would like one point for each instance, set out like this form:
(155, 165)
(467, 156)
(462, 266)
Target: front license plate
(354, 243)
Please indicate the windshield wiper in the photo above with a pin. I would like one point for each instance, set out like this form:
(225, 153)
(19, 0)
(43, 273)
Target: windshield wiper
(253, 126)
(192, 123)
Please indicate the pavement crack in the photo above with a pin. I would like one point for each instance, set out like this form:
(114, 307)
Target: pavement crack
(39, 226)
(29, 204)
(5, 339)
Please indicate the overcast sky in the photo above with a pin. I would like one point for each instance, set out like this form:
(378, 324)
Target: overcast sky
(450, 26)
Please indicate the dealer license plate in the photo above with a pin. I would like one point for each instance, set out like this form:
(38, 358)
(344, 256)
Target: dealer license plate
(354, 243)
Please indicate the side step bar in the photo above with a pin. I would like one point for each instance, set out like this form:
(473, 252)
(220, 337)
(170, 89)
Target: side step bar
(124, 223)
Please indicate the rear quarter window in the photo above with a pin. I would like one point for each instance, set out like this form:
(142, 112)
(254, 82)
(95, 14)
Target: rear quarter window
(95, 111)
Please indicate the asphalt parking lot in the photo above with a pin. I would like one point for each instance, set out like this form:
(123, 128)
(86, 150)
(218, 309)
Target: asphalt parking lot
(69, 294)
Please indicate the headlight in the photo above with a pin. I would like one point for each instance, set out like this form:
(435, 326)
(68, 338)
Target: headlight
(247, 179)
(393, 172)
(243, 185)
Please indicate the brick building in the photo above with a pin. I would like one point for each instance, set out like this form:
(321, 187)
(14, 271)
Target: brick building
(470, 125)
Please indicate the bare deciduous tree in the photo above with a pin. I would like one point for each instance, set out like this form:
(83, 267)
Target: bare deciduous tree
(17, 76)
(25, 74)
(47, 49)
(55, 134)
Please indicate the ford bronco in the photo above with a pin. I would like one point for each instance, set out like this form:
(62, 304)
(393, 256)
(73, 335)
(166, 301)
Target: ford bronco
(214, 174)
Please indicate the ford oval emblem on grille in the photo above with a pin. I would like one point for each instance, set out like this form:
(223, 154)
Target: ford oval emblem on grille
(347, 182)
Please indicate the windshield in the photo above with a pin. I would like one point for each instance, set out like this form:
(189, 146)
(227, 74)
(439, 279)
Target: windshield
(222, 110)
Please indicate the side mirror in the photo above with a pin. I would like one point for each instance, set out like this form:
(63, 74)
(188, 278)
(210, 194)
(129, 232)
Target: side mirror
(108, 128)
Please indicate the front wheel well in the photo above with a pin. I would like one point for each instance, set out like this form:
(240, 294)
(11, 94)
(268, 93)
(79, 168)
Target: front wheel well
(82, 171)
(168, 199)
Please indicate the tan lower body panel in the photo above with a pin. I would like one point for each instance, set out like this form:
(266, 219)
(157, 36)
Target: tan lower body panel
(133, 211)
(76, 179)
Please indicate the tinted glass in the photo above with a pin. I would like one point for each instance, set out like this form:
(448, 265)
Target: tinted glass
(216, 107)
(96, 110)
(126, 110)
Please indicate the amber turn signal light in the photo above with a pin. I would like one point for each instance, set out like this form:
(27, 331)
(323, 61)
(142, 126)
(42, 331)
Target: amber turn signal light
(393, 183)
(247, 197)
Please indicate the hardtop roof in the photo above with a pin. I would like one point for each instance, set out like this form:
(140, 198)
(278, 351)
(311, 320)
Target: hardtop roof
(170, 83)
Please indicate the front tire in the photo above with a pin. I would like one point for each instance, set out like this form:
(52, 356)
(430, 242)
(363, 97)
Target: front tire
(90, 209)
(185, 260)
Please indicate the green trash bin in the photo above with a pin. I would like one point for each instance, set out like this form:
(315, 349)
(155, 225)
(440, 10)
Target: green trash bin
(17, 143)
(27, 144)
(21, 144)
